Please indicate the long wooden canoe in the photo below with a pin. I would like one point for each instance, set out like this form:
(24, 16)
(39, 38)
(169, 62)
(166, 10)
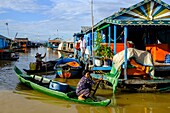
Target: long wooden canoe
(47, 68)
(56, 89)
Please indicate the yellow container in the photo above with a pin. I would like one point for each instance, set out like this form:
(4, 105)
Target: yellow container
(32, 65)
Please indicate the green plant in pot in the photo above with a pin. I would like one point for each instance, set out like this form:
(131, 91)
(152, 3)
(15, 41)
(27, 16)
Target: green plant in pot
(107, 54)
(98, 49)
(103, 52)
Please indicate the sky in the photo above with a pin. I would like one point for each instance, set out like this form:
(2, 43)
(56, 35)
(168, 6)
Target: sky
(39, 20)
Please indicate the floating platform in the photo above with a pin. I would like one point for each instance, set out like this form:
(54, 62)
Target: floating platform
(137, 85)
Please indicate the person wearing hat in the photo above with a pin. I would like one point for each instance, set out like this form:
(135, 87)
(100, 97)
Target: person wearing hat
(39, 60)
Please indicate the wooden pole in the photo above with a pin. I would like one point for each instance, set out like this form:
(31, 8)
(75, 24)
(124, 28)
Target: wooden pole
(92, 30)
(109, 35)
(7, 29)
(115, 35)
(125, 48)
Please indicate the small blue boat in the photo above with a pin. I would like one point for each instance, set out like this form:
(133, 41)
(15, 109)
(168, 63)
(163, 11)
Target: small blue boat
(69, 68)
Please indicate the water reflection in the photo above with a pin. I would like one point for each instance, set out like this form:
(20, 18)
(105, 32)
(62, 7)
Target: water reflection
(122, 103)
(144, 103)
(4, 63)
(94, 109)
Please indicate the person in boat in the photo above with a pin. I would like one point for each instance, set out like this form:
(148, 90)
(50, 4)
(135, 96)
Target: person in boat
(84, 86)
(39, 61)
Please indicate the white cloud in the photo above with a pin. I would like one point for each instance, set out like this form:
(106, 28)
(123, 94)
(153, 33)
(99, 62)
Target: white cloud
(22, 5)
(65, 15)
(69, 9)
(2, 12)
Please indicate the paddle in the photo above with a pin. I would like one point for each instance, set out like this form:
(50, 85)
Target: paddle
(94, 91)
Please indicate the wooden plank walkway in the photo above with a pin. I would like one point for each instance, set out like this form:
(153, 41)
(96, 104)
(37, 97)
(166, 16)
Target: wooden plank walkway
(162, 66)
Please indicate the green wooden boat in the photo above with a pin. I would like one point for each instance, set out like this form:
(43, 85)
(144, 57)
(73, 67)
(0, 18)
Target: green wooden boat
(56, 89)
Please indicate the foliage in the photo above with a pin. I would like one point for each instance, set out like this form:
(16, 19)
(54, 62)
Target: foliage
(102, 51)
(98, 47)
(107, 52)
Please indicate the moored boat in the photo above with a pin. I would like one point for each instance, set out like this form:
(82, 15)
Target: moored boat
(69, 68)
(56, 89)
(46, 67)
(14, 56)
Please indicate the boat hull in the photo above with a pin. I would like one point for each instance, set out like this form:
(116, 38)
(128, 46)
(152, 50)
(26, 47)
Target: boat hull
(48, 67)
(63, 70)
(42, 85)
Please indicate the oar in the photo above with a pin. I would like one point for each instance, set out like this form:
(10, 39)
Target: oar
(94, 91)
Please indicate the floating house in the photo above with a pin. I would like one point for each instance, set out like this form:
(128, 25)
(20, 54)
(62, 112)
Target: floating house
(4, 42)
(22, 42)
(66, 46)
(143, 26)
(6, 53)
(53, 44)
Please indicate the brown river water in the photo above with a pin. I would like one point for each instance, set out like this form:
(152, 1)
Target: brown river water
(17, 98)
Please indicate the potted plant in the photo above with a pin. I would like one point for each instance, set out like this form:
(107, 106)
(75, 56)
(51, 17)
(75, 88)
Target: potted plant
(97, 49)
(107, 54)
(103, 52)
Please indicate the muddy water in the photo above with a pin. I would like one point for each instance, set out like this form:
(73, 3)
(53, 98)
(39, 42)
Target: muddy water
(17, 98)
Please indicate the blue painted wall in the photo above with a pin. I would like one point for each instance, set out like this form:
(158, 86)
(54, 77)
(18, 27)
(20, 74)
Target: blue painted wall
(3, 44)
